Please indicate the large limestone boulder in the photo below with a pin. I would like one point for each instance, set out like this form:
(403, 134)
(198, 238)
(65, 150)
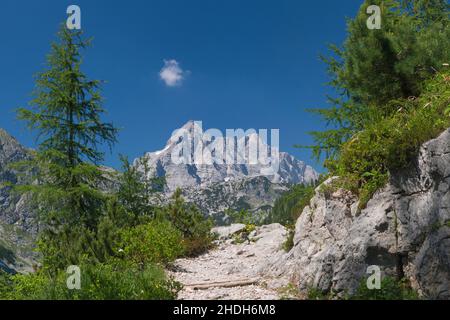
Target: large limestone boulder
(405, 230)
(226, 232)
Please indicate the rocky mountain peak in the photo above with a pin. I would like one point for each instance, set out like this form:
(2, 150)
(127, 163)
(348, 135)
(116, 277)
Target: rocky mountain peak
(185, 143)
(10, 149)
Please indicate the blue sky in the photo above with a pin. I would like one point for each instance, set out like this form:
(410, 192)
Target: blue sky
(246, 64)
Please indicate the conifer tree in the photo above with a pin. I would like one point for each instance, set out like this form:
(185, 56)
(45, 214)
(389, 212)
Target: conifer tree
(66, 114)
(188, 219)
(375, 67)
(139, 189)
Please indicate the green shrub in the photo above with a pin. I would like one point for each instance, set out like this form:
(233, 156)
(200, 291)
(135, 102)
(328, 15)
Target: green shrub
(370, 69)
(244, 216)
(289, 292)
(194, 227)
(112, 281)
(155, 242)
(5, 284)
(391, 143)
(290, 205)
(244, 235)
(71, 244)
(35, 286)
(317, 294)
(289, 243)
(390, 289)
(136, 189)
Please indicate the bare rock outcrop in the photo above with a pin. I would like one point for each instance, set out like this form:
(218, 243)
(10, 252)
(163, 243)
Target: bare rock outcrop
(405, 230)
(18, 225)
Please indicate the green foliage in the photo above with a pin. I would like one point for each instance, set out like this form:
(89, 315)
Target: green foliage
(244, 235)
(317, 294)
(106, 282)
(286, 211)
(249, 228)
(245, 217)
(392, 143)
(289, 292)
(390, 289)
(82, 222)
(66, 108)
(112, 281)
(289, 243)
(137, 188)
(290, 205)
(393, 87)
(5, 284)
(155, 242)
(66, 113)
(70, 245)
(65, 195)
(120, 240)
(374, 67)
(195, 228)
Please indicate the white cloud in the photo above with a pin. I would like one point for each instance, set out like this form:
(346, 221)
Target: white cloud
(171, 73)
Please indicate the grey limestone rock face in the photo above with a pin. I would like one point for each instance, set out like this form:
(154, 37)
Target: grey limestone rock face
(405, 230)
(225, 232)
(13, 208)
(18, 225)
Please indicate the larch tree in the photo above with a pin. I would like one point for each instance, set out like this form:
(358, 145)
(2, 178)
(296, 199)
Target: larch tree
(66, 113)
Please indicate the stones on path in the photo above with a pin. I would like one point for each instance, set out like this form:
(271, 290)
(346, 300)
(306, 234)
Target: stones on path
(232, 270)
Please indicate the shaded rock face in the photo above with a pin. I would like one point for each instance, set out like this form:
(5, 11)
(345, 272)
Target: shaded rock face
(13, 207)
(405, 230)
(18, 226)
